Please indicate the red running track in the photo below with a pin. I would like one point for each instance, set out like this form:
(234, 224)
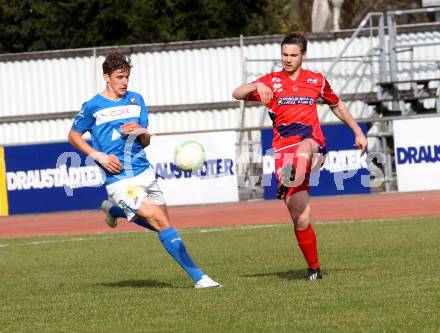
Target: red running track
(335, 208)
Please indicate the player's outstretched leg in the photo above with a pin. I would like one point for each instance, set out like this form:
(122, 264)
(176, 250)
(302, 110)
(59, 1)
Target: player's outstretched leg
(157, 216)
(113, 212)
(174, 245)
(299, 209)
(307, 243)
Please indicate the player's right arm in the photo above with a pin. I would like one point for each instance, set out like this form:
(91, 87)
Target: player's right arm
(82, 123)
(242, 92)
(109, 162)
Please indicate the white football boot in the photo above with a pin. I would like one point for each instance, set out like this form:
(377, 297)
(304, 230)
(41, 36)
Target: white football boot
(207, 282)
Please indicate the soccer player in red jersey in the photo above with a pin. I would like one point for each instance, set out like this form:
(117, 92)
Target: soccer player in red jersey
(291, 96)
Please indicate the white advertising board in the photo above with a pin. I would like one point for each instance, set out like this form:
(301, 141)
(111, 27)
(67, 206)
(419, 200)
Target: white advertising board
(214, 182)
(417, 154)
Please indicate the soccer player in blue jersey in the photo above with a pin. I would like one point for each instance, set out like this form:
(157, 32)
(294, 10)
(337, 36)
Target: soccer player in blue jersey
(117, 120)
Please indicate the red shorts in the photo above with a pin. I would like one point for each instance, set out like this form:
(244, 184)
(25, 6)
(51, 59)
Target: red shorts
(287, 162)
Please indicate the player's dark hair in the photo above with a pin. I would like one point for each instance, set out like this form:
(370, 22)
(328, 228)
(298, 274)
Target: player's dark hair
(296, 38)
(114, 61)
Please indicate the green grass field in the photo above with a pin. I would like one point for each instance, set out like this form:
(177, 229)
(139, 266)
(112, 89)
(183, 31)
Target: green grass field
(379, 276)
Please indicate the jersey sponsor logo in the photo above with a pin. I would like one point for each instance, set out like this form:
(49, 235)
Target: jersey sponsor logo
(294, 100)
(312, 81)
(210, 169)
(417, 155)
(117, 112)
(73, 177)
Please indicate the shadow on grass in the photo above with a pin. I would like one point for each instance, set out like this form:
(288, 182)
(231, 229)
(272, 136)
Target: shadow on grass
(297, 274)
(137, 284)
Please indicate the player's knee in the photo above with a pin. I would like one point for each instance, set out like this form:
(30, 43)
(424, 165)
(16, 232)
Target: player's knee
(301, 220)
(159, 224)
(302, 223)
(158, 221)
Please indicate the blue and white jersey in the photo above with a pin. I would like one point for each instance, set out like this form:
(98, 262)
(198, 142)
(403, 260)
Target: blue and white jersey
(103, 117)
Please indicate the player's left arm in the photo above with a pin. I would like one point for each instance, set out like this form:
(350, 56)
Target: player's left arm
(341, 111)
(145, 137)
(139, 128)
(133, 128)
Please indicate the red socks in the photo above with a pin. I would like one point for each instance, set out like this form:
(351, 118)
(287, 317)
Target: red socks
(307, 242)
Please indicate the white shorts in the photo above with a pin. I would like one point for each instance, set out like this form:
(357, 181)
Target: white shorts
(128, 193)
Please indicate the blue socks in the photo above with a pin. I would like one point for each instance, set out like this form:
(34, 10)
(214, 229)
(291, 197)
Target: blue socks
(140, 222)
(171, 242)
(176, 248)
(117, 211)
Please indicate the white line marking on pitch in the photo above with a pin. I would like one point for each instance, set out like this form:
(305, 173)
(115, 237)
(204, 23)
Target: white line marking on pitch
(55, 241)
(238, 227)
(190, 231)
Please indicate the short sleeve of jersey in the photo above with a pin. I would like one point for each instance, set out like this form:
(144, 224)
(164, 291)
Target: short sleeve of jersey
(266, 79)
(83, 121)
(143, 118)
(328, 94)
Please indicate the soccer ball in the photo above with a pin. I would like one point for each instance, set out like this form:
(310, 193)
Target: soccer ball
(189, 156)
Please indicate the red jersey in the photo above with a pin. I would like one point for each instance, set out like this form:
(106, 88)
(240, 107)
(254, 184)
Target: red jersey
(293, 107)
